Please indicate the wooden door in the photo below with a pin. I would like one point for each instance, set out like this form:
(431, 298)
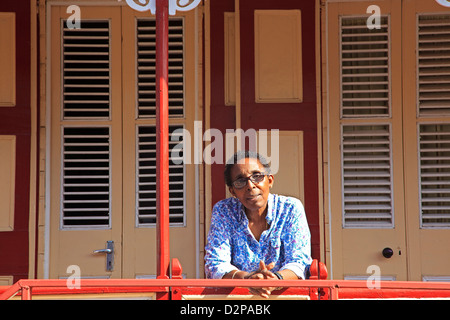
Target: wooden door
(366, 142)
(86, 143)
(427, 132)
(388, 139)
(103, 177)
(139, 148)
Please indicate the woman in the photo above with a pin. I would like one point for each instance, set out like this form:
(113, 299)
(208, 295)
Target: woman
(256, 234)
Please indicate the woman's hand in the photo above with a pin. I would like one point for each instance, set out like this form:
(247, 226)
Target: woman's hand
(262, 273)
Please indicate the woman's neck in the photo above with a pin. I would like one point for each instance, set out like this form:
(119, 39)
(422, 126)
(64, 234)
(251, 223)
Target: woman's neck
(256, 215)
(257, 222)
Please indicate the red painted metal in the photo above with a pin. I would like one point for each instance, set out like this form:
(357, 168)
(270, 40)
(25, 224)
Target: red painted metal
(59, 286)
(10, 291)
(177, 270)
(336, 289)
(318, 271)
(162, 137)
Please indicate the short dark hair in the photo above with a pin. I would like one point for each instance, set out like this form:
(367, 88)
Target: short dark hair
(240, 155)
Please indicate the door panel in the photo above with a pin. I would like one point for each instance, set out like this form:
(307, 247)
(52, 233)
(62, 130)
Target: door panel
(103, 179)
(412, 111)
(426, 132)
(288, 147)
(140, 151)
(86, 144)
(8, 59)
(365, 145)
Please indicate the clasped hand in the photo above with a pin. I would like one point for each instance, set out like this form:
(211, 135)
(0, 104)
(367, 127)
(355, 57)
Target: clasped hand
(263, 272)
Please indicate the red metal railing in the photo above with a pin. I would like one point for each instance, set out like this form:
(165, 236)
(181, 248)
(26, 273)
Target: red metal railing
(177, 288)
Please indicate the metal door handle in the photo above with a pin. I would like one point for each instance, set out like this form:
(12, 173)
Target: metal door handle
(109, 255)
(103, 251)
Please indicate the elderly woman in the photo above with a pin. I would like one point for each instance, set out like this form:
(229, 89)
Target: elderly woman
(256, 234)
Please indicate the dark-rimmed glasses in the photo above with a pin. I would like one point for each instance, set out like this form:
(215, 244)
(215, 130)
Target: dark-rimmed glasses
(255, 178)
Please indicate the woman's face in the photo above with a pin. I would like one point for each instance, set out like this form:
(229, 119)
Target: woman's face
(253, 195)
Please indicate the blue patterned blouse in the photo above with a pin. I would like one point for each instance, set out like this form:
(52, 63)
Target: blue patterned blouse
(231, 244)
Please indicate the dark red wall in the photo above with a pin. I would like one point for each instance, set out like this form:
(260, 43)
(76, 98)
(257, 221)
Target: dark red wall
(285, 116)
(17, 121)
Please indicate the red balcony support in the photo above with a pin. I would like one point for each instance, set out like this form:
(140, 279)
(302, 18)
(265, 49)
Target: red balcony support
(337, 289)
(162, 138)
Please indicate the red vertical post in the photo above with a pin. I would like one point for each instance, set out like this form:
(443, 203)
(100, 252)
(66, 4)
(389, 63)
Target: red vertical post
(26, 293)
(162, 138)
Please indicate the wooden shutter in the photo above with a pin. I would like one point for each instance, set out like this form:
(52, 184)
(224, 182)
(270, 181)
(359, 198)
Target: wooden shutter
(86, 96)
(434, 101)
(86, 177)
(367, 174)
(434, 64)
(146, 64)
(86, 70)
(365, 80)
(365, 145)
(146, 177)
(434, 150)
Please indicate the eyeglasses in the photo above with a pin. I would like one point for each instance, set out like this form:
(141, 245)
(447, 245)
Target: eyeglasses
(255, 178)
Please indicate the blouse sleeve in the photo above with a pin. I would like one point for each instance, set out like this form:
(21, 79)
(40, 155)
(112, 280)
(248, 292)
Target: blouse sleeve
(218, 248)
(297, 243)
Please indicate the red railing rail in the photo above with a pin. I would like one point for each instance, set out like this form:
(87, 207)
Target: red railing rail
(331, 289)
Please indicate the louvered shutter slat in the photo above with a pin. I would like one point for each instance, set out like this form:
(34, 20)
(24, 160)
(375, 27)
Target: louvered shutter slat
(146, 65)
(433, 64)
(85, 177)
(366, 174)
(365, 90)
(86, 70)
(434, 150)
(146, 178)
